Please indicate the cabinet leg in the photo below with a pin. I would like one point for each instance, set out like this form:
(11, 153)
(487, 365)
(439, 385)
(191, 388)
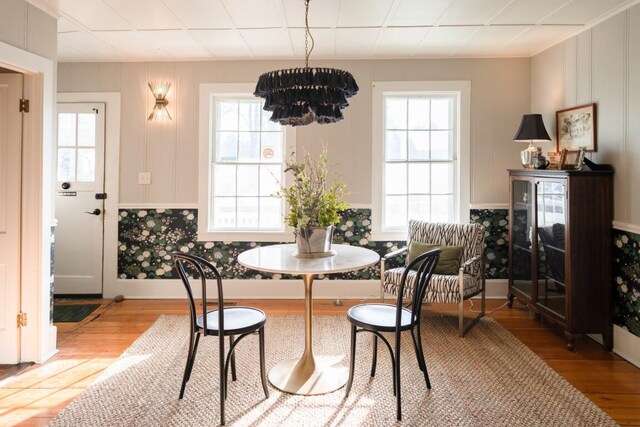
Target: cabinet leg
(571, 338)
(510, 298)
(607, 338)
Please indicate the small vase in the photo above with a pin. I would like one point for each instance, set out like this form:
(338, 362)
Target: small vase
(314, 242)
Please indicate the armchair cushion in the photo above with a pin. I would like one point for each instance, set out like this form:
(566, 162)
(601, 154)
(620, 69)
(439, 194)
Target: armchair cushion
(448, 263)
(441, 289)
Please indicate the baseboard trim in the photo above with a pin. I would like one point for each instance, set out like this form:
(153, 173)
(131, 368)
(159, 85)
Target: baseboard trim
(626, 345)
(623, 226)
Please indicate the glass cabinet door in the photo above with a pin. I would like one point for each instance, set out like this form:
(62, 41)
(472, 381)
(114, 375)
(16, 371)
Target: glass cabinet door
(551, 220)
(522, 232)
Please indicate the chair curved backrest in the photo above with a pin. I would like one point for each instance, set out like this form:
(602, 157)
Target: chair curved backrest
(183, 262)
(427, 263)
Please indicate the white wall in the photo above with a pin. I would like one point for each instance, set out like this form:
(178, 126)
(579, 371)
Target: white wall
(499, 94)
(26, 27)
(601, 65)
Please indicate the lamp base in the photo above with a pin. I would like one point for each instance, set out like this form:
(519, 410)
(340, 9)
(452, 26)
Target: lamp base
(526, 156)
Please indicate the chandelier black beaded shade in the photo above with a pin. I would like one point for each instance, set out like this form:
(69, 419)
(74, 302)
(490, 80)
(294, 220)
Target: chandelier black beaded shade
(301, 96)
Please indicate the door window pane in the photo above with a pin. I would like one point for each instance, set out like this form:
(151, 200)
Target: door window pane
(66, 129)
(86, 130)
(86, 164)
(66, 164)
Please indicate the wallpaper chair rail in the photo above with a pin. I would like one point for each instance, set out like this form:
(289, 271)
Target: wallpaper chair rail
(221, 322)
(376, 318)
(450, 289)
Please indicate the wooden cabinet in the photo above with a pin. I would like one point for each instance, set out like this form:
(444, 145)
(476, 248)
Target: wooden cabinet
(560, 248)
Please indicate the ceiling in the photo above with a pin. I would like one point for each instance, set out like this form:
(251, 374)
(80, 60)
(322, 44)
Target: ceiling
(149, 30)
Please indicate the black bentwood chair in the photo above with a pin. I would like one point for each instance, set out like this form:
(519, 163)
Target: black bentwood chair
(378, 317)
(222, 322)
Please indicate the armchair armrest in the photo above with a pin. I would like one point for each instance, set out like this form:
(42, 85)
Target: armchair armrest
(395, 253)
(468, 263)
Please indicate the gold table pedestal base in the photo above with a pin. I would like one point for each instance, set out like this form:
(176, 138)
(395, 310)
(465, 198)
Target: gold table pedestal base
(318, 377)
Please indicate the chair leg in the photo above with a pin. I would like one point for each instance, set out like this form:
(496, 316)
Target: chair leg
(396, 369)
(461, 305)
(223, 379)
(263, 374)
(415, 347)
(191, 357)
(374, 360)
(233, 359)
(424, 363)
(352, 362)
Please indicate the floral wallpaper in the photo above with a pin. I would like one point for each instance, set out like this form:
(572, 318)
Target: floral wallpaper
(496, 240)
(626, 274)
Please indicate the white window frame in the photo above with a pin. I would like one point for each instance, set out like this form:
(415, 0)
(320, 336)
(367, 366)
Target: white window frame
(206, 130)
(461, 90)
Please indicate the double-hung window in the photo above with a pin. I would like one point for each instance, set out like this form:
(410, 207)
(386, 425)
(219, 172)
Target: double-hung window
(420, 158)
(242, 157)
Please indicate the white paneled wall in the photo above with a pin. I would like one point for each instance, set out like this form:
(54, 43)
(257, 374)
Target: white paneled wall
(28, 28)
(500, 93)
(601, 65)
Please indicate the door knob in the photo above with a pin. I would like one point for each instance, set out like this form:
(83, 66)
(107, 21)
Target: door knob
(96, 212)
(65, 186)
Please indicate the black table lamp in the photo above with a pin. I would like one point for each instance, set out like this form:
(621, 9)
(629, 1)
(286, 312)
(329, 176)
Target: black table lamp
(531, 130)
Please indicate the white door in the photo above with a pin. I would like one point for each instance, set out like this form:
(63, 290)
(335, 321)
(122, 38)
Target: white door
(79, 207)
(10, 201)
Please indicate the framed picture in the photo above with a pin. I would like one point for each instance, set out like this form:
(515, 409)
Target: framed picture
(572, 160)
(576, 127)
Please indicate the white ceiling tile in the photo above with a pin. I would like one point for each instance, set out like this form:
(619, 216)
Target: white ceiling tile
(71, 54)
(582, 11)
(418, 12)
(146, 14)
(222, 43)
(542, 37)
(134, 44)
(471, 12)
(356, 42)
(66, 26)
(399, 42)
(497, 37)
(325, 40)
(256, 13)
(322, 13)
(94, 15)
(200, 14)
(363, 13)
(88, 45)
(271, 43)
(527, 12)
(177, 43)
(445, 41)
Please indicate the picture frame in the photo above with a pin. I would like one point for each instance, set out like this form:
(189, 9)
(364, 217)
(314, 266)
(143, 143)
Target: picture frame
(577, 127)
(572, 160)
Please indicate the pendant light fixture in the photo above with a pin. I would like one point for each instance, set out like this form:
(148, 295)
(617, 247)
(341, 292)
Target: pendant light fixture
(301, 96)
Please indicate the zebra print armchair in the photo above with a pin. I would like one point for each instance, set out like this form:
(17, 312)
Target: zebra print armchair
(453, 289)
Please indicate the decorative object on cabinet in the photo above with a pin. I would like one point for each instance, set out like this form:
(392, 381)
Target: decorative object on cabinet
(560, 248)
(577, 127)
(301, 96)
(160, 90)
(531, 130)
(573, 160)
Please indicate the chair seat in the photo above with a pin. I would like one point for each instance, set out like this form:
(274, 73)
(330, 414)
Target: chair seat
(442, 288)
(237, 320)
(379, 317)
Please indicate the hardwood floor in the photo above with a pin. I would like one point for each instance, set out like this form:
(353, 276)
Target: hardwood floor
(37, 394)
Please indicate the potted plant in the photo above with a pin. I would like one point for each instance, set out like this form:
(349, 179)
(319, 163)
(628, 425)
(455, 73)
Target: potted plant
(314, 205)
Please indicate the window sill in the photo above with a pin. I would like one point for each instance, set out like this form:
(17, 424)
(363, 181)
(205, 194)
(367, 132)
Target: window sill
(246, 236)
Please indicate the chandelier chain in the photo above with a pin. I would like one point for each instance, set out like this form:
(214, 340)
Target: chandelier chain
(307, 35)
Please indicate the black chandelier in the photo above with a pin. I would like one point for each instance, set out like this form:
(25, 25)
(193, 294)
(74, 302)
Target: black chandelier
(301, 96)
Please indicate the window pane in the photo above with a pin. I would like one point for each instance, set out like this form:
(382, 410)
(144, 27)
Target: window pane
(440, 117)
(66, 130)
(271, 213)
(419, 178)
(268, 125)
(227, 115)
(395, 113)
(419, 207)
(224, 180)
(395, 145)
(249, 115)
(247, 212)
(441, 178)
(441, 208)
(419, 145)
(418, 114)
(66, 164)
(248, 146)
(441, 145)
(87, 130)
(247, 181)
(270, 176)
(86, 164)
(271, 151)
(395, 211)
(395, 178)
(224, 212)
(226, 146)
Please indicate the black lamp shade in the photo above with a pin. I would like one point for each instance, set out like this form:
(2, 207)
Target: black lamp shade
(532, 129)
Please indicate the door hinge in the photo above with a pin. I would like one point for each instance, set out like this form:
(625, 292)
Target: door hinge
(24, 105)
(22, 319)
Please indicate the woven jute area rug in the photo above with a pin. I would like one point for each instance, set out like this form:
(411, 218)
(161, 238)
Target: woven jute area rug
(488, 378)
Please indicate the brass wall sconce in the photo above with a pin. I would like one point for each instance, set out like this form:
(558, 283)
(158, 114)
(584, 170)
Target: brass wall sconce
(160, 90)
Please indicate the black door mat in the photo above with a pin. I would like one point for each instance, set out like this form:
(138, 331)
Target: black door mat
(72, 312)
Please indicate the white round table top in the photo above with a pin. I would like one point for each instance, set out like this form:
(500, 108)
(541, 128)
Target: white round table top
(280, 259)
